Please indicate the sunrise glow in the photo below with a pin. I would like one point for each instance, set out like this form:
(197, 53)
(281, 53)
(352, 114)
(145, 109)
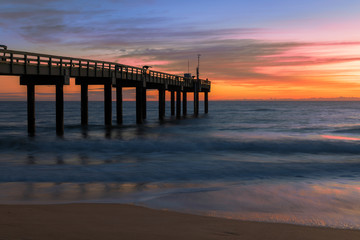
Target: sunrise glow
(291, 51)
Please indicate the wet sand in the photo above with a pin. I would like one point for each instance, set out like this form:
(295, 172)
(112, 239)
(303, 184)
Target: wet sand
(118, 221)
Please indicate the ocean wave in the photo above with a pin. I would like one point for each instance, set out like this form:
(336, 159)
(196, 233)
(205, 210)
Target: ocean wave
(182, 144)
(263, 110)
(354, 130)
(188, 168)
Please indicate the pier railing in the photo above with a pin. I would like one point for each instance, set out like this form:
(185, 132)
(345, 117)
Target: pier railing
(18, 63)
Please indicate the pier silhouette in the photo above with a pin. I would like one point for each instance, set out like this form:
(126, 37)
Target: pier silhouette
(42, 69)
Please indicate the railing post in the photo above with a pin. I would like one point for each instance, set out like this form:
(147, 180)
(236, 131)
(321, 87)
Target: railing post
(71, 65)
(25, 64)
(38, 65)
(11, 62)
(50, 66)
(61, 66)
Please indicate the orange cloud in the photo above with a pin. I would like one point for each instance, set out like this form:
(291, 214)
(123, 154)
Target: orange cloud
(240, 69)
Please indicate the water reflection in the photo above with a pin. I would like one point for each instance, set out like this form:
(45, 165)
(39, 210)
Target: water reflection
(52, 162)
(30, 159)
(84, 132)
(27, 191)
(68, 192)
(108, 132)
(84, 159)
(318, 204)
(60, 160)
(322, 204)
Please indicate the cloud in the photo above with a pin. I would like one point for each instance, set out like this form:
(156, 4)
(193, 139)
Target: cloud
(309, 61)
(37, 15)
(106, 32)
(14, 3)
(350, 43)
(8, 94)
(235, 58)
(106, 25)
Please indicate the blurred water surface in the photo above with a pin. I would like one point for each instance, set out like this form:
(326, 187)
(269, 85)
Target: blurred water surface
(295, 162)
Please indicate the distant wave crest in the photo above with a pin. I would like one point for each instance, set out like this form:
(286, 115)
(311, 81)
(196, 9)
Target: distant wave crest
(184, 144)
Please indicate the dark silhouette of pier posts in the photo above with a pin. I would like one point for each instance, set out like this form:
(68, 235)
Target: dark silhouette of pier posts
(196, 101)
(108, 103)
(206, 102)
(184, 103)
(144, 103)
(42, 69)
(31, 108)
(60, 109)
(161, 103)
(172, 102)
(119, 105)
(107, 83)
(139, 105)
(84, 104)
(58, 81)
(178, 104)
(196, 98)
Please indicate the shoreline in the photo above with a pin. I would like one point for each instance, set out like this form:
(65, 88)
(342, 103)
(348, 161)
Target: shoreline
(124, 221)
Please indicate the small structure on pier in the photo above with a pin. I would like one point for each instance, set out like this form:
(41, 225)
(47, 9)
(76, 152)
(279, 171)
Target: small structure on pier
(41, 69)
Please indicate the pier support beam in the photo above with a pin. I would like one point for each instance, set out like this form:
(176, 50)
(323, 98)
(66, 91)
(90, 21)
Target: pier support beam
(196, 102)
(107, 104)
(31, 109)
(178, 104)
(206, 102)
(139, 104)
(84, 104)
(184, 103)
(161, 104)
(119, 105)
(58, 81)
(60, 109)
(172, 104)
(144, 103)
(104, 81)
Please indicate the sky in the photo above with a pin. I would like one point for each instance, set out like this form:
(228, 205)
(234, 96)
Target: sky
(258, 49)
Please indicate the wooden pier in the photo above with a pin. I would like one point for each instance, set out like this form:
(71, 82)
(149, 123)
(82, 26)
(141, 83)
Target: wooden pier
(41, 69)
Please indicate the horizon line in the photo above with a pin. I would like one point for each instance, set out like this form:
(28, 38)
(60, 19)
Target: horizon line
(345, 99)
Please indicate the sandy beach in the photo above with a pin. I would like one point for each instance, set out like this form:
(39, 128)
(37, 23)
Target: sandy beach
(117, 221)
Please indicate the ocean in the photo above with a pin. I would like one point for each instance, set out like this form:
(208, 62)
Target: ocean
(272, 161)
